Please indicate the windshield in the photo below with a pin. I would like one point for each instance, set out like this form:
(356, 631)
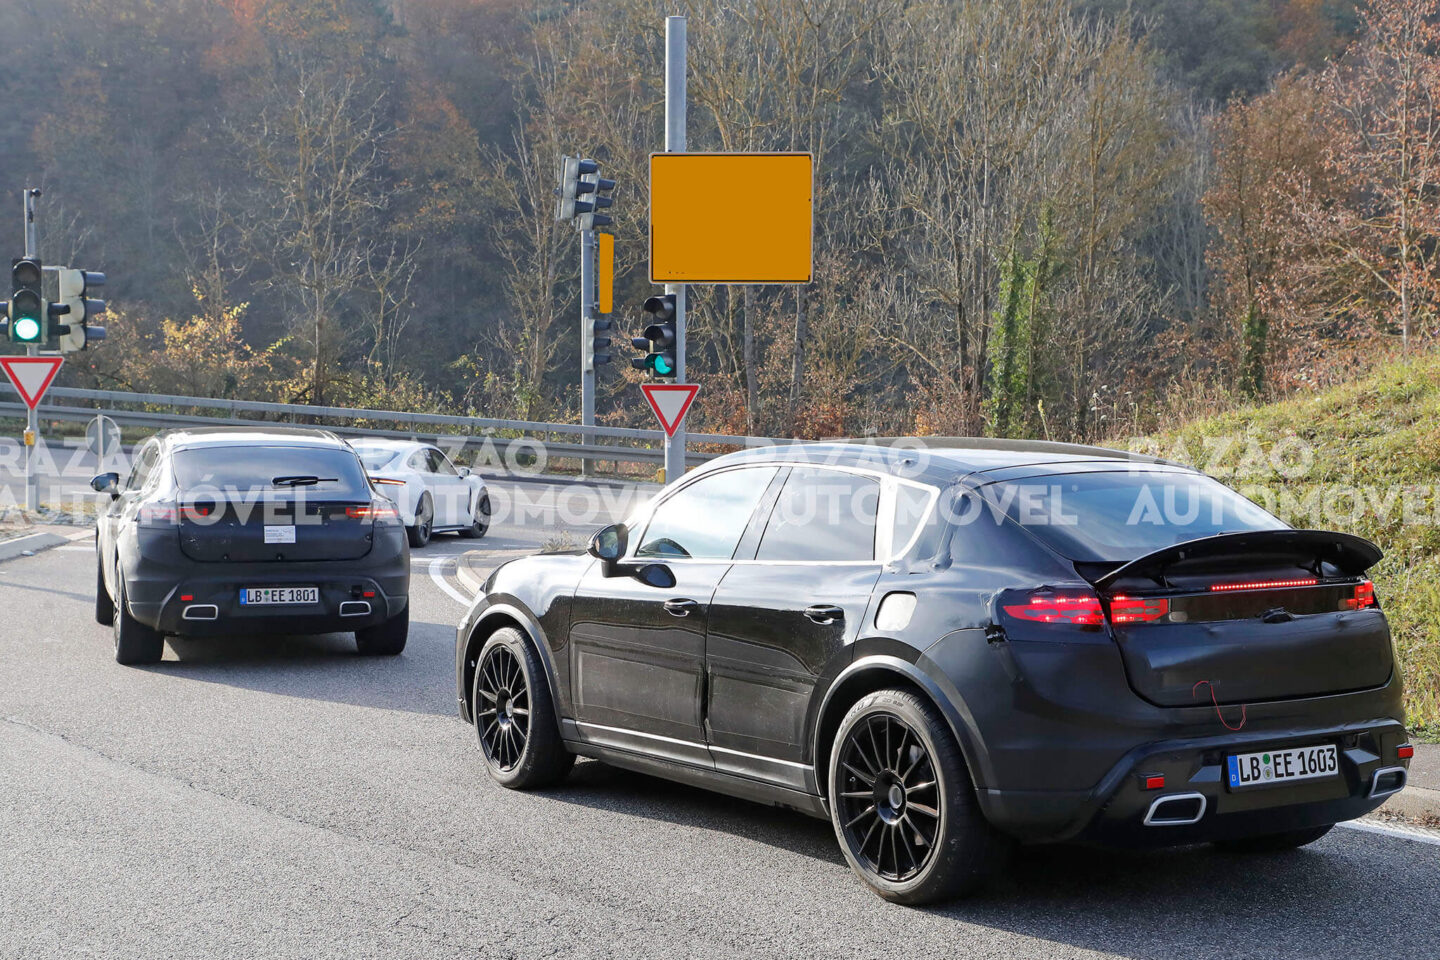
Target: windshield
(1120, 516)
(263, 469)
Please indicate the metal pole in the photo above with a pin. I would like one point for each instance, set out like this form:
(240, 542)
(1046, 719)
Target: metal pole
(588, 243)
(32, 421)
(675, 142)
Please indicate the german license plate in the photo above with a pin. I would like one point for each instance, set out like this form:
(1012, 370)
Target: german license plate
(1283, 766)
(278, 596)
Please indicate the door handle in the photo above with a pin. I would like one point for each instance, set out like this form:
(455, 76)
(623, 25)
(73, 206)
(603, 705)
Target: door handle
(825, 613)
(681, 607)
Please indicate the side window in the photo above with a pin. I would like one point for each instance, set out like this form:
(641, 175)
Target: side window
(822, 515)
(418, 461)
(911, 510)
(439, 464)
(705, 520)
(142, 468)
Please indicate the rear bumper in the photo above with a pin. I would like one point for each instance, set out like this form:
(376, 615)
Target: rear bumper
(1116, 811)
(157, 580)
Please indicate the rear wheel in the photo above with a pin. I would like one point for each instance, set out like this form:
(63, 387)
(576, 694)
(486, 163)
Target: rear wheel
(514, 715)
(419, 534)
(1274, 842)
(480, 520)
(385, 639)
(104, 603)
(135, 643)
(903, 805)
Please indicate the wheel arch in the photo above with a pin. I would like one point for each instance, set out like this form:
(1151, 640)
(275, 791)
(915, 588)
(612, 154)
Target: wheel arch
(878, 672)
(497, 617)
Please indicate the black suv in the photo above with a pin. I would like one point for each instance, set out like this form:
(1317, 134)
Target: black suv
(238, 530)
(946, 651)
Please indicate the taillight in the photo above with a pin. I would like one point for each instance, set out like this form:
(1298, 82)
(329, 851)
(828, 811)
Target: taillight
(1363, 597)
(378, 512)
(1081, 609)
(390, 481)
(1125, 609)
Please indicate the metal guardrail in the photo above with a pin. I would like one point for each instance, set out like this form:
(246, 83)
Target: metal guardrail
(627, 445)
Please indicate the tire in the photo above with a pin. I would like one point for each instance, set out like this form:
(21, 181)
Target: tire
(135, 643)
(480, 521)
(424, 522)
(385, 639)
(104, 603)
(515, 716)
(1273, 842)
(903, 804)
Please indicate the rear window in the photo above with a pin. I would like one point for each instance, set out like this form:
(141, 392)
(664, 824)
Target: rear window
(1115, 517)
(262, 468)
(374, 457)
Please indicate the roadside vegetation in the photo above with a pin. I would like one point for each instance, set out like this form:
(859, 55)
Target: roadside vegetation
(1362, 457)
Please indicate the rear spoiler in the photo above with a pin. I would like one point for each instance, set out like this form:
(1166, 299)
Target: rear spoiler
(1353, 555)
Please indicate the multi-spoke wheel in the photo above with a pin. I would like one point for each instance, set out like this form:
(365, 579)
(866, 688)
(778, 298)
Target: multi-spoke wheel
(902, 803)
(514, 715)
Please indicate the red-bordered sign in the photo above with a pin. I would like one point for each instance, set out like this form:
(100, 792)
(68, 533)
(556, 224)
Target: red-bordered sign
(31, 376)
(670, 401)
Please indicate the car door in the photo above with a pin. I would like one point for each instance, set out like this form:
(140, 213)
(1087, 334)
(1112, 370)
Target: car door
(450, 492)
(113, 511)
(779, 619)
(638, 651)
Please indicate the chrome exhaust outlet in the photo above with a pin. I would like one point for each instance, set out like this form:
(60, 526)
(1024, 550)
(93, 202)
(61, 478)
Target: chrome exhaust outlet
(1388, 780)
(200, 611)
(1186, 808)
(355, 608)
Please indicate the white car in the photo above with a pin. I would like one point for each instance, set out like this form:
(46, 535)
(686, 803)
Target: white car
(431, 493)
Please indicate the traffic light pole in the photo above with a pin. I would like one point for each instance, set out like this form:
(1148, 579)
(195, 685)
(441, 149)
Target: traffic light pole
(32, 422)
(675, 142)
(588, 243)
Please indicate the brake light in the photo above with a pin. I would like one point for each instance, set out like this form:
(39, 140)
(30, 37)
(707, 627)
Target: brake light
(1364, 596)
(388, 480)
(1052, 608)
(1125, 609)
(160, 514)
(1263, 585)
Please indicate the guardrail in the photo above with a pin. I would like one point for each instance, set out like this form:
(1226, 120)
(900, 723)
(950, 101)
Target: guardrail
(511, 439)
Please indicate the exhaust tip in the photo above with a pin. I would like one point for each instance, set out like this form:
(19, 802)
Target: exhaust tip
(1387, 780)
(1176, 810)
(200, 611)
(355, 608)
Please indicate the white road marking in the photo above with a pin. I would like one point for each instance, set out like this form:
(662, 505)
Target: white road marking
(1418, 834)
(437, 565)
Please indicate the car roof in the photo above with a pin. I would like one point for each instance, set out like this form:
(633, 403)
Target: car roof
(383, 443)
(945, 459)
(189, 438)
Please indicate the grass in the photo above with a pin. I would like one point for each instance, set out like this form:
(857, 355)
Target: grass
(1364, 458)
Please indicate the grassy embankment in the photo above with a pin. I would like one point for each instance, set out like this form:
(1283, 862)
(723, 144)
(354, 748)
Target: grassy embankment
(1363, 458)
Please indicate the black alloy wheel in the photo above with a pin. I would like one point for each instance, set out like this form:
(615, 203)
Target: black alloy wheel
(889, 801)
(502, 708)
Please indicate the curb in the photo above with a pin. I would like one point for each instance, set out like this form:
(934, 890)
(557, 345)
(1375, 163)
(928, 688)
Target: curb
(1414, 803)
(463, 573)
(31, 543)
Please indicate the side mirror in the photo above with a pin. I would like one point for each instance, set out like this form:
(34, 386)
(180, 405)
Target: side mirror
(464, 471)
(608, 545)
(106, 483)
(656, 575)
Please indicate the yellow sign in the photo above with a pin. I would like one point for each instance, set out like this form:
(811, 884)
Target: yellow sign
(605, 260)
(731, 217)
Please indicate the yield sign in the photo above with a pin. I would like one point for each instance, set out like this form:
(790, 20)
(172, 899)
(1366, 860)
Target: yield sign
(31, 376)
(670, 401)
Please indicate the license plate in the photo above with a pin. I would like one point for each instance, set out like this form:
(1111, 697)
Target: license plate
(272, 596)
(1283, 766)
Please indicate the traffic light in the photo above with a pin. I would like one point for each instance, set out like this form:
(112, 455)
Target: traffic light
(29, 318)
(74, 286)
(600, 199)
(659, 338)
(574, 185)
(594, 344)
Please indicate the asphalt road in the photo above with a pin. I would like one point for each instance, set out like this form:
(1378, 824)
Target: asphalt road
(283, 797)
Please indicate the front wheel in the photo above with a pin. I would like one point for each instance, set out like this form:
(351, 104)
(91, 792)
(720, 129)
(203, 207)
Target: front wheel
(514, 715)
(902, 803)
(385, 639)
(479, 519)
(1273, 842)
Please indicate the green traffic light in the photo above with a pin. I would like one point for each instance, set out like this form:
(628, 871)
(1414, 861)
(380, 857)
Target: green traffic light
(27, 329)
(663, 366)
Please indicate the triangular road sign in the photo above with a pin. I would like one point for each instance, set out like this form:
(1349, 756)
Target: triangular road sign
(670, 401)
(31, 376)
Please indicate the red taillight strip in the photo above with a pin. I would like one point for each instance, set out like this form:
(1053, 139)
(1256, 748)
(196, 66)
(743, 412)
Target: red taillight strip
(390, 480)
(375, 511)
(1125, 609)
(1364, 596)
(1263, 585)
(1082, 610)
